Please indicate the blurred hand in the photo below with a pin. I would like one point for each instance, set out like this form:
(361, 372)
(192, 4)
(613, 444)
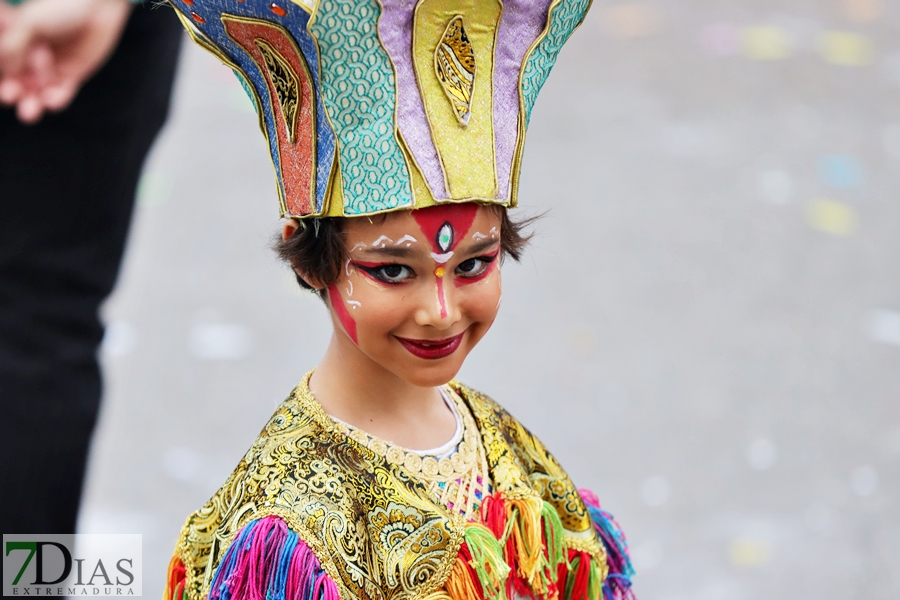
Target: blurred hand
(49, 48)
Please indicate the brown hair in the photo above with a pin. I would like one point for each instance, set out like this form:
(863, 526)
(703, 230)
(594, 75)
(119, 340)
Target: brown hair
(317, 247)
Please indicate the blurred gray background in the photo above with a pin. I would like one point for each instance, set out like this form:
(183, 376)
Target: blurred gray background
(706, 329)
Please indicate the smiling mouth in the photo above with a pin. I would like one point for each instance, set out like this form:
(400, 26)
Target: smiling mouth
(432, 349)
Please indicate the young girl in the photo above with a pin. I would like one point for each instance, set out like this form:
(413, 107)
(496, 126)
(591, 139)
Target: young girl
(396, 129)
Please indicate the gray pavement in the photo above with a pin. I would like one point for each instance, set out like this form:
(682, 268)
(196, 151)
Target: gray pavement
(705, 331)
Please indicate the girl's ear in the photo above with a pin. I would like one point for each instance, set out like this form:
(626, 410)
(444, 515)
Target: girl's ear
(313, 282)
(290, 226)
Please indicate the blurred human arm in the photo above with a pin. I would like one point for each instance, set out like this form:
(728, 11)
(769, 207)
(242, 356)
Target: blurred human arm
(49, 48)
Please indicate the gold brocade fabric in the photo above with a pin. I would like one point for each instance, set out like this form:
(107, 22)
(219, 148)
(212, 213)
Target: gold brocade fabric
(459, 480)
(377, 530)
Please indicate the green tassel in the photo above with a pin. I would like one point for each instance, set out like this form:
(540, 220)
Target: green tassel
(487, 560)
(595, 581)
(570, 579)
(553, 533)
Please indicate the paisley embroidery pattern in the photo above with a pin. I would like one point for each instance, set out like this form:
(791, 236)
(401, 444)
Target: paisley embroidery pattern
(565, 17)
(287, 86)
(377, 531)
(454, 64)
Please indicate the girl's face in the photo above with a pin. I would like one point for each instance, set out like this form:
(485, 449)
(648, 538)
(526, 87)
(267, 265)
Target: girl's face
(418, 290)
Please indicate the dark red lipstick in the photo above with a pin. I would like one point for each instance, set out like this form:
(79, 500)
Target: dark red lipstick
(432, 349)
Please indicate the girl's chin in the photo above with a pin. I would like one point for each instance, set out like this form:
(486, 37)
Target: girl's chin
(428, 375)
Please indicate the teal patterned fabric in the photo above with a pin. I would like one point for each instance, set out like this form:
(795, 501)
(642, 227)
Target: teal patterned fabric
(564, 18)
(360, 101)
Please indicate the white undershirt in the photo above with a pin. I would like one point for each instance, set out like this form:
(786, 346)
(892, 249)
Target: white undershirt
(446, 450)
(443, 451)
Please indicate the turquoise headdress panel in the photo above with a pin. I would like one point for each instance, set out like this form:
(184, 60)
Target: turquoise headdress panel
(372, 106)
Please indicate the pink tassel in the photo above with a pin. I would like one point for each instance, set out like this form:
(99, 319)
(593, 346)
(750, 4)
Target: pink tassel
(267, 561)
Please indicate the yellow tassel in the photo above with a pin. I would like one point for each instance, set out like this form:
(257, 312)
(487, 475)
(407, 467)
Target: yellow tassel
(524, 515)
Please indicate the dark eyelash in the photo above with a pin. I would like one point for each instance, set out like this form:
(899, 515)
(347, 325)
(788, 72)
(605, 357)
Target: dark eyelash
(375, 272)
(487, 258)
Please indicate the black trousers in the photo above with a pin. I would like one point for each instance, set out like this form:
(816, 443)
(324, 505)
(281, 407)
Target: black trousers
(67, 188)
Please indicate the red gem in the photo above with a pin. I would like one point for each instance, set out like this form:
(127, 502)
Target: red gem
(278, 10)
(197, 18)
(189, 2)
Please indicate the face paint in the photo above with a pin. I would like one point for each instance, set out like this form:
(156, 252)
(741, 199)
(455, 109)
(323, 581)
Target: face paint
(478, 236)
(340, 309)
(444, 226)
(442, 302)
(461, 281)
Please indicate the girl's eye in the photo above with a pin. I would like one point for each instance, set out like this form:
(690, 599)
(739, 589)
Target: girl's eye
(474, 267)
(391, 273)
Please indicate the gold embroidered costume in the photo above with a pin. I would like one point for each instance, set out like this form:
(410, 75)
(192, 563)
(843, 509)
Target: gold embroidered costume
(377, 530)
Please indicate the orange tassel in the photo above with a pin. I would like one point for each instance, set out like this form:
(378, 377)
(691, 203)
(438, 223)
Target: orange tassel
(463, 581)
(526, 531)
(175, 580)
(518, 524)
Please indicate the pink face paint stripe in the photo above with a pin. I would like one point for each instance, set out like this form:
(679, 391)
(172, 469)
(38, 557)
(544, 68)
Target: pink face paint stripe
(458, 219)
(340, 309)
(442, 302)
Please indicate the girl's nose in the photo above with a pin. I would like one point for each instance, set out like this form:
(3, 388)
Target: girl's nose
(438, 307)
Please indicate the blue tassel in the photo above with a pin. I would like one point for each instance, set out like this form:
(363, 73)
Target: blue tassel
(617, 585)
(258, 566)
(278, 586)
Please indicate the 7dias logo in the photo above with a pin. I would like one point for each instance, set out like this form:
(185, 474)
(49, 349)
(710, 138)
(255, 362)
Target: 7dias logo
(72, 565)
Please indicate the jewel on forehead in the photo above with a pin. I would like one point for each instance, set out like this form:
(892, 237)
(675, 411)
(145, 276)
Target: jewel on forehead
(444, 238)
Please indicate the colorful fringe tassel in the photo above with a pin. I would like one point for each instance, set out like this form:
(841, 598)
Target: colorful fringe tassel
(519, 549)
(583, 579)
(531, 535)
(618, 581)
(266, 561)
(175, 580)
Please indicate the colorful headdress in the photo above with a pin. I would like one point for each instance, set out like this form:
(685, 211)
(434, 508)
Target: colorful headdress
(371, 106)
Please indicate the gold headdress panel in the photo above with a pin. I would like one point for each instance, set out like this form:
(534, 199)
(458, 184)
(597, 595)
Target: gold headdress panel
(371, 106)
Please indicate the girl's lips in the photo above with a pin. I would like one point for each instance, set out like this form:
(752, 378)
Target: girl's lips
(432, 349)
